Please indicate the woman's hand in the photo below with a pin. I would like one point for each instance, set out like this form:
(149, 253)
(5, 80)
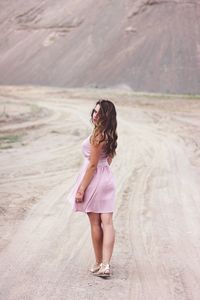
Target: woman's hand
(79, 195)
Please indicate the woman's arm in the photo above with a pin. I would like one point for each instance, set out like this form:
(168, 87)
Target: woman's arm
(94, 158)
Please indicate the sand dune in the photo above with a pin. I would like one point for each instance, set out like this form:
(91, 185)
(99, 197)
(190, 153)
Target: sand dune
(46, 249)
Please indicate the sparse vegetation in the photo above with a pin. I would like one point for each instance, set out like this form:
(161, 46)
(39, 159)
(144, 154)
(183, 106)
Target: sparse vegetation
(3, 113)
(92, 93)
(35, 109)
(8, 139)
(12, 138)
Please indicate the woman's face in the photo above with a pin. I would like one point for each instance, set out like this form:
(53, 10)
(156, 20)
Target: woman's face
(95, 114)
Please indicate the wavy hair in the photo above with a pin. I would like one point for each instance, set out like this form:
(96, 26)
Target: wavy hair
(106, 126)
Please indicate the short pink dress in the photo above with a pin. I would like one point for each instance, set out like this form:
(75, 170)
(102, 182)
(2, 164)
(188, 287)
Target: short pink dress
(99, 197)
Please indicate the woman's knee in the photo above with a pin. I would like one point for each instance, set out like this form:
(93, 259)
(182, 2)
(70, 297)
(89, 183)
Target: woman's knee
(96, 228)
(106, 219)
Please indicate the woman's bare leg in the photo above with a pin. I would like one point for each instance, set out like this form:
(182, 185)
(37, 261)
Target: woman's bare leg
(97, 235)
(108, 236)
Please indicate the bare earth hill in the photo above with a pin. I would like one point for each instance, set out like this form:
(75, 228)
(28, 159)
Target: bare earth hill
(145, 45)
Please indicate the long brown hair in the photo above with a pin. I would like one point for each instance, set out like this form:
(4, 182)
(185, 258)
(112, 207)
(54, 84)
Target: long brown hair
(106, 126)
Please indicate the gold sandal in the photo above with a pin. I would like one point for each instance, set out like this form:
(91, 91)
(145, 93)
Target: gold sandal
(95, 267)
(104, 271)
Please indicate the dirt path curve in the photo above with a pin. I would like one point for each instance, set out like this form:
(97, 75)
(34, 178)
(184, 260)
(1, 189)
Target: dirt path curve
(46, 249)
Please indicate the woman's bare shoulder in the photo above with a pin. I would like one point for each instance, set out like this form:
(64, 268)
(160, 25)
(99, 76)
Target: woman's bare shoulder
(97, 139)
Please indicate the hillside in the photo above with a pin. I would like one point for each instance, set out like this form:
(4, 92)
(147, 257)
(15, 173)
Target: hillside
(144, 45)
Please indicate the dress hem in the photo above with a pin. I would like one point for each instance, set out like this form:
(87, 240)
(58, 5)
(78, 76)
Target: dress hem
(97, 212)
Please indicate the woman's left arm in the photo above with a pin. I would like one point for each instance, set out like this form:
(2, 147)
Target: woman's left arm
(94, 158)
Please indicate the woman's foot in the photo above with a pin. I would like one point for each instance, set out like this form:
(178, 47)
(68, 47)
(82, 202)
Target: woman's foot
(95, 267)
(104, 271)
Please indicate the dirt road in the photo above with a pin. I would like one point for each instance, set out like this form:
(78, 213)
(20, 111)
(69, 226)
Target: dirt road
(46, 249)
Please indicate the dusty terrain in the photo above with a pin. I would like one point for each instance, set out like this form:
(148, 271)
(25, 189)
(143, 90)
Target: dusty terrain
(144, 45)
(45, 249)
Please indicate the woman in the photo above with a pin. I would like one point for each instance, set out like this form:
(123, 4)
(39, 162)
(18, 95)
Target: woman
(94, 190)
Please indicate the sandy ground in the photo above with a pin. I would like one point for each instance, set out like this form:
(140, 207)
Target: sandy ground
(45, 249)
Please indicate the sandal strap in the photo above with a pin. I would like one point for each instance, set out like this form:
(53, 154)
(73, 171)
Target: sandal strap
(95, 267)
(105, 267)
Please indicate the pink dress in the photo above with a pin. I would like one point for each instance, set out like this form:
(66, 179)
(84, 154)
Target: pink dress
(99, 196)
